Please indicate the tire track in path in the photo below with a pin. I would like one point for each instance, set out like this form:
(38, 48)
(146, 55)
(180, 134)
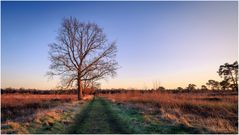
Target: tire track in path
(97, 117)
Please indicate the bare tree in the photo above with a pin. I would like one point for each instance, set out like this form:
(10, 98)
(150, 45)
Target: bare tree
(89, 86)
(81, 53)
(156, 85)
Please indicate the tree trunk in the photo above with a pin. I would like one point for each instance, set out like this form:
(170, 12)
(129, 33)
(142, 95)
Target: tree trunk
(79, 91)
(234, 81)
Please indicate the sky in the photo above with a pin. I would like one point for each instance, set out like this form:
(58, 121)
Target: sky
(174, 43)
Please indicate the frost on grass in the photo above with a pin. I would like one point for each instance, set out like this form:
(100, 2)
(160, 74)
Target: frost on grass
(208, 112)
(54, 120)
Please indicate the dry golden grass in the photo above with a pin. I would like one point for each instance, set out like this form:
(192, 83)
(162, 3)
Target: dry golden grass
(218, 114)
(14, 100)
(64, 114)
(170, 99)
(20, 105)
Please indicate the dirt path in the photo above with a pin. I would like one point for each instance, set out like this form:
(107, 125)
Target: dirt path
(98, 118)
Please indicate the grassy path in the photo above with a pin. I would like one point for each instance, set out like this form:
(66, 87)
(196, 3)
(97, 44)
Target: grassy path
(104, 117)
(98, 118)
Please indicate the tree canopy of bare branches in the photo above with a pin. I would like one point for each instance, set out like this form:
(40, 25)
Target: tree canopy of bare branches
(81, 53)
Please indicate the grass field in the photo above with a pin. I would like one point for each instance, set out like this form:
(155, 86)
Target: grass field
(129, 112)
(20, 105)
(209, 112)
(44, 121)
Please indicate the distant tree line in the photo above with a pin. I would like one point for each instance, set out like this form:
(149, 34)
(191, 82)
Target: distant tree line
(229, 74)
(87, 91)
(35, 91)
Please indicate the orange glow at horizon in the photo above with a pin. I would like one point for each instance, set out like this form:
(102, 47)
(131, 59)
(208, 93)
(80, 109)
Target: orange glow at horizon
(174, 43)
(168, 80)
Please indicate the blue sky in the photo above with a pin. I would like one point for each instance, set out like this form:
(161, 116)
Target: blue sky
(175, 43)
